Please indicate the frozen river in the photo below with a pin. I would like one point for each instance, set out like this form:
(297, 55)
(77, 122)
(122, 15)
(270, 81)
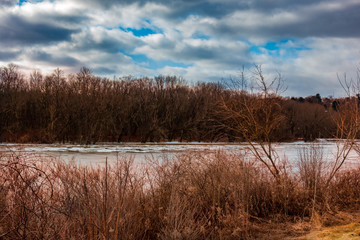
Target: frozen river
(90, 154)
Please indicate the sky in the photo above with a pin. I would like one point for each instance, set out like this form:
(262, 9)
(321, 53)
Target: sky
(310, 42)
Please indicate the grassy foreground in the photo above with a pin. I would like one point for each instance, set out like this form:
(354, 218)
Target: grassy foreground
(349, 231)
(192, 196)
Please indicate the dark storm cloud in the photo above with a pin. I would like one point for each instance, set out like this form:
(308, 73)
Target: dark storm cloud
(107, 43)
(74, 20)
(15, 30)
(198, 53)
(104, 71)
(320, 23)
(56, 60)
(181, 10)
(223, 55)
(271, 5)
(341, 23)
(314, 19)
(7, 3)
(9, 55)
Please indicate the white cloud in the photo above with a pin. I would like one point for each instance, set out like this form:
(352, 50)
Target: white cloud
(315, 69)
(127, 16)
(214, 40)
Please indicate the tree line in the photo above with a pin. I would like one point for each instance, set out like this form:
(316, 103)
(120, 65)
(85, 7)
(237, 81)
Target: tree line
(85, 108)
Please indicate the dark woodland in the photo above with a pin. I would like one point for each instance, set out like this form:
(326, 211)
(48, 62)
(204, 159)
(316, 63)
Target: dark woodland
(84, 108)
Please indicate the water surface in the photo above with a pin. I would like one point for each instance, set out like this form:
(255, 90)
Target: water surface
(90, 154)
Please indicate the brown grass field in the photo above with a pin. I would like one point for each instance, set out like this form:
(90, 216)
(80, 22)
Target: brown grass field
(190, 196)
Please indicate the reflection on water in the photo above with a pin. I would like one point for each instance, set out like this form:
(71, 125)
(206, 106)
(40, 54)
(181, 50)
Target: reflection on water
(89, 154)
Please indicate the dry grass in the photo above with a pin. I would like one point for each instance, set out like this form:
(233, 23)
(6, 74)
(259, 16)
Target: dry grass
(350, 231)
(192, 196)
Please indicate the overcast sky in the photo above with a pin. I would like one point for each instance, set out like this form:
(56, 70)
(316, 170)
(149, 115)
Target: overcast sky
(308, 41)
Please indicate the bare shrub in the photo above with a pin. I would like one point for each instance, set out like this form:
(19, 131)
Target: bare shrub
(215, 195)
(220, 195)
(26, 193)
(311, 171)
(345, 190)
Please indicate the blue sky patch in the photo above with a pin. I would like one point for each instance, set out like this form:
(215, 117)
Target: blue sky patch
(21, 2)
(279, 49)
(271, 46)
(200, 36)
(139, 32)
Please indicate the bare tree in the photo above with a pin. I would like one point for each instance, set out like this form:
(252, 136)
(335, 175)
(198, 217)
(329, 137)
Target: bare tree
(347, 121)
(256, 116)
